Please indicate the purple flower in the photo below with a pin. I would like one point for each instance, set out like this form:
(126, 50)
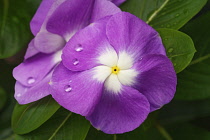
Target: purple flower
(54, 23)
(114, 72)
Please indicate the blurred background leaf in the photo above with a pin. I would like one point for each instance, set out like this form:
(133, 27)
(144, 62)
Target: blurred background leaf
(3, 98)
(28, 117)
(194, 82)
(179, 47)
(64, 125)
(15, 33)
(164, 13)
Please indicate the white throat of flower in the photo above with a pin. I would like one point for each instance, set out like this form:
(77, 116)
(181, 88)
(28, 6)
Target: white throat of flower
(116, 70)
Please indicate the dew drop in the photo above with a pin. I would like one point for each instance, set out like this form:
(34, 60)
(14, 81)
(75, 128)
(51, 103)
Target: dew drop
(31, 80)
(176, 15)
(78, 48)
(170, 50)
(18, 95)
(67, 88)
(75, 62)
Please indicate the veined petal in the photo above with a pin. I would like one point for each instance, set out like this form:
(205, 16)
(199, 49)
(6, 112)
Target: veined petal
(103, 8)
(101, 73)
(71, 15)
(157, 80)
(125, 60)
(78, 92)
(34, 69)
(31, 50)
(117, 2)
(127, 33)
(112, 84)
(89, 48)
(40, 16)
(128, 77)
(47, 42)
(25, 95)
(119, 113)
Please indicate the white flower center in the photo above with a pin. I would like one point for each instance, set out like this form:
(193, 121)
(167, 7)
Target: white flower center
(115, 70)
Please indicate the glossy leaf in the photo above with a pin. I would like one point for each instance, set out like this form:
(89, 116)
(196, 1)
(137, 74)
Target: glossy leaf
(15, 33)
(182, 111)
(194, 82)
(187, 131)
(179, 47)
(64, 125)
(164, 13)
(28, 117)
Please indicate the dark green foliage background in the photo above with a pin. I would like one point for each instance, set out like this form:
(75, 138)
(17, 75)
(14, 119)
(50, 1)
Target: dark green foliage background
(184, 28)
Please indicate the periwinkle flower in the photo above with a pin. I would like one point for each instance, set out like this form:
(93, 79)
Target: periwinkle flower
(115, 72)
(54, 23)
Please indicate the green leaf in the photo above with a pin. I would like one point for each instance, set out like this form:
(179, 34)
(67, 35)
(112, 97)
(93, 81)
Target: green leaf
(187, 131)
(164, 13)
(179, 47)
(3, 98)
(28, 117)
(15, 33)
(182, 111)
(193, 83)
(64, 125)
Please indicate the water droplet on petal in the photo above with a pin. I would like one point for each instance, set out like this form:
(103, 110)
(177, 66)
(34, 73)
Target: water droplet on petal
(18, 95)
(31, 80)
(70, 81)
(78, 48)
(170, 50)
(67, 88)
(75, 61)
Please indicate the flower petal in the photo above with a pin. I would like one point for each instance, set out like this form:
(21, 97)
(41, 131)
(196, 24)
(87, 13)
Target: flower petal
(127, 33)
(31, 50)
(157, 80)
(47, 42)
(89, 48)
(78, 92)
(69, 17)
(119, 113)
(103, 8)
(117, 2)
(40, 16)
(25, 95)
(34, 69)
(127, 77)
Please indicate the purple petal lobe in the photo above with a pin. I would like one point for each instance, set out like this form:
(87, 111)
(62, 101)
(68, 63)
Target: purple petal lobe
(157, 80)
(128, 33)
(84, 49)
(34, 69)
(70, 16)
(103, 8)
(117, 2)
(47, 42)
(31, 50)
(25, 95)
(76, 91)
(119, 113)
(40, 16)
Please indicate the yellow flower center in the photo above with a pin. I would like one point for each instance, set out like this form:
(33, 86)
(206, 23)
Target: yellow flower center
(115, 70)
